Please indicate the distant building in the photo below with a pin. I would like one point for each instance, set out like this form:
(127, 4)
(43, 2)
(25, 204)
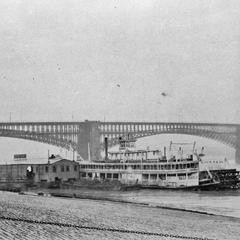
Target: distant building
(63, 170)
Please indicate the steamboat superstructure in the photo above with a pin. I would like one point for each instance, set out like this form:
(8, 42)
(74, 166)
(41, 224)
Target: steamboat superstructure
(145, 168)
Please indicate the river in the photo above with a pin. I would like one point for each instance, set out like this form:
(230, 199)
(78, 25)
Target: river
(225, 203)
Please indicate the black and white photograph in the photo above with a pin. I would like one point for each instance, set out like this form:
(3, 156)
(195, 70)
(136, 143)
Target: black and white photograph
(120, 119)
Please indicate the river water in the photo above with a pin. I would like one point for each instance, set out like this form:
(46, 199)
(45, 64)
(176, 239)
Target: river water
(226, 203)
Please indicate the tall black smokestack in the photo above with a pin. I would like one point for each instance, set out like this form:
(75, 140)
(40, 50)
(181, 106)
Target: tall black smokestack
(106, 148)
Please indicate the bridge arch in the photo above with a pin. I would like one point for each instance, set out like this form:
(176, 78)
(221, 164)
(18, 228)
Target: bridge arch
(226, 139)
(79, 135)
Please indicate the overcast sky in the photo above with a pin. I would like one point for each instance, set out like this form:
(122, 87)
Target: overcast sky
(148, 60)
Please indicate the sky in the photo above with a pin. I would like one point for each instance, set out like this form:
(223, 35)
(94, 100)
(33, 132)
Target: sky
(112, 60)
(128, 60)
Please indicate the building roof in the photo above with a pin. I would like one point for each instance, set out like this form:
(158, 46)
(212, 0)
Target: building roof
(33, 161)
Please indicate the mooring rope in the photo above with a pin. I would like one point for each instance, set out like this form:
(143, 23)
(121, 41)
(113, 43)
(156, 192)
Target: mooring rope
(167, 235)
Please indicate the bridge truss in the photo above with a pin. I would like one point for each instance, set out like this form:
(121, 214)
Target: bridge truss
(79, 135)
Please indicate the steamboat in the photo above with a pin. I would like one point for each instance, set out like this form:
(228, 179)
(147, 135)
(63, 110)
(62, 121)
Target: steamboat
(153, 169)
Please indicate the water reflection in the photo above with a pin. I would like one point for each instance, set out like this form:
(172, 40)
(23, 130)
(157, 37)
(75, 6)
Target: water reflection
(225, 203)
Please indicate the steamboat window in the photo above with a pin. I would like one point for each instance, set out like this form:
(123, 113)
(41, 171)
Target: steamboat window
(46, 169)
(191, 176)
(171, 175)
(83, 174)
(109, 175)
(62, 168)
(115, 176)
(102, 175)
(153, 176)
(67, 168)
(145, 176)
(173, 166)
(90, 175)
(54, 169)
(188, 165)
(75, 168)
(162, 176)
(182, 176)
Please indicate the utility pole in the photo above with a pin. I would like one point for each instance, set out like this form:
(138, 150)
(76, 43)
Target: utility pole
(48, 156)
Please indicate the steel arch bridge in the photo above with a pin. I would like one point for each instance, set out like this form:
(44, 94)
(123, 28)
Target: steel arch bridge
(80, 135)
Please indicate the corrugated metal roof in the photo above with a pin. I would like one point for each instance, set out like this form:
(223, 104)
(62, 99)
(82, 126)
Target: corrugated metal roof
(33, 161)
(37, 161)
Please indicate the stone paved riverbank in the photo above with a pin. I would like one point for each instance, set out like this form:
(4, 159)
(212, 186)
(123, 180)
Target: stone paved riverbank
(104, 214)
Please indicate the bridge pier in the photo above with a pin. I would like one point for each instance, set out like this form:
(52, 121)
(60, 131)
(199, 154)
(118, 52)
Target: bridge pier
(89, 141)
(237, 153)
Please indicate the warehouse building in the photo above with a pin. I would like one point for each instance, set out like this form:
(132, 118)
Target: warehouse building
(61, 170)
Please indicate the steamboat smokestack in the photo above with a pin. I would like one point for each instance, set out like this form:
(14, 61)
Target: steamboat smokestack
(106, 148)
(164, 152)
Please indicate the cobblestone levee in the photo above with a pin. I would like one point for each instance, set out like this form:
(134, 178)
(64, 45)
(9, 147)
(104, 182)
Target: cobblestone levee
(107, 215)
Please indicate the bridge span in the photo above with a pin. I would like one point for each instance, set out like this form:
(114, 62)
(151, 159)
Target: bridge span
(80, 135)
